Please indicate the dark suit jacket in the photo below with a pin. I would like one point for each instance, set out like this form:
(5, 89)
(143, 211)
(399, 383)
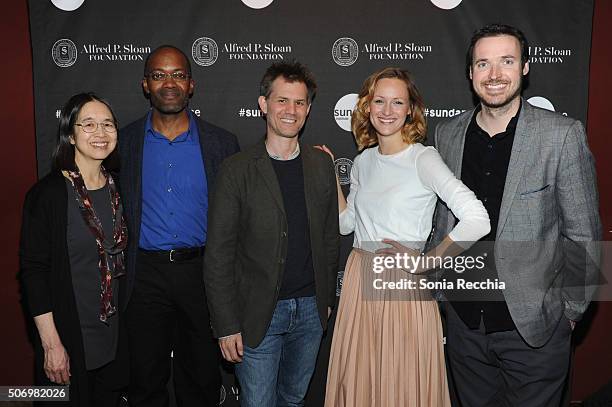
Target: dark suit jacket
(216, 144)
(247, 241)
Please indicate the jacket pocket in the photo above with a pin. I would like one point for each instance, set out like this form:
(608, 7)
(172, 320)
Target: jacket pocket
(533, 193)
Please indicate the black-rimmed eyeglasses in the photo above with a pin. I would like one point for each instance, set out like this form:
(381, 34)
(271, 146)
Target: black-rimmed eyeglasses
(159, 76)
(91, 127)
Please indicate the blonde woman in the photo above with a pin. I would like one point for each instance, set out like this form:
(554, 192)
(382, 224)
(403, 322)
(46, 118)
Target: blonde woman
(387, 346)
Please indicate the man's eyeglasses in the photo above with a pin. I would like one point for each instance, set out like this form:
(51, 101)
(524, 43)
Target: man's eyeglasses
(91, 127)
(159, 76)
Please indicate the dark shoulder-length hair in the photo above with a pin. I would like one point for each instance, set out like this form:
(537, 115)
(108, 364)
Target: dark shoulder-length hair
(63, 155)
(415, 128)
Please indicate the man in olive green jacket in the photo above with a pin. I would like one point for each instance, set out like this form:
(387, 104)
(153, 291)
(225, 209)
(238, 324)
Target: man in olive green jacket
(271, 256)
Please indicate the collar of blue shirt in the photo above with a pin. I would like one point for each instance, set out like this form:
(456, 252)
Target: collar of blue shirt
(187, 137)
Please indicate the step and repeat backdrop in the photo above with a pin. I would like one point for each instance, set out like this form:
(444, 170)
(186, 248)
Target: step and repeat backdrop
(100, 46)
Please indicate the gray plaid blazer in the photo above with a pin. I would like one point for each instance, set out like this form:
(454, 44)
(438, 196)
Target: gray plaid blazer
(546, 248)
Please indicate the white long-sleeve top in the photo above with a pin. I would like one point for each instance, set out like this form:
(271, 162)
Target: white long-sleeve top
(394, 197)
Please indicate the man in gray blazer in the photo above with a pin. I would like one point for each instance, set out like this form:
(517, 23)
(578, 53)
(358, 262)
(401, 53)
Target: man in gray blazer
(533, 171)
(271, 260)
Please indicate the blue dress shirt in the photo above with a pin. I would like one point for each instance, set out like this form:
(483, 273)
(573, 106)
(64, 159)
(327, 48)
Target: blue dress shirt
(174, 190)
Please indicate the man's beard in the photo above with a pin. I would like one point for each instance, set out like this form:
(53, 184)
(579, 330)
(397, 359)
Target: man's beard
(505, 102)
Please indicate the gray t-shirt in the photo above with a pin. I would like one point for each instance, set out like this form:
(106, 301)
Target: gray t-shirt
(99, 339)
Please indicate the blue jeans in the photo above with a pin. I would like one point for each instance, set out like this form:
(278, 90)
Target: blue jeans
(277, 372)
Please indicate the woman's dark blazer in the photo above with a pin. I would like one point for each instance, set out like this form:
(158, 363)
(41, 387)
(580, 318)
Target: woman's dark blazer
(47, 282)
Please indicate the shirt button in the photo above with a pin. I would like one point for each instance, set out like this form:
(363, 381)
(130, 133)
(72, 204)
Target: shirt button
(175, 236)
(485, 199)
(487, 173)
(169, 189)
(490, 146)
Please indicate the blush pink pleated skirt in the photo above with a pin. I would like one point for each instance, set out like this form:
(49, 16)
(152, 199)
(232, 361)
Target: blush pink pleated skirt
(387, 348)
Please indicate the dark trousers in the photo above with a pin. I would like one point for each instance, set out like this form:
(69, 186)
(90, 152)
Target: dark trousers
(101, 387)
(101, 393)
(168, 313)
(500, 369)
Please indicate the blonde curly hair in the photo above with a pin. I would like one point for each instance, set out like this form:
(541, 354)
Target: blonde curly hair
(415, 128)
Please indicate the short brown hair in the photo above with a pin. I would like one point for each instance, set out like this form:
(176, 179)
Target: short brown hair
(292, 72)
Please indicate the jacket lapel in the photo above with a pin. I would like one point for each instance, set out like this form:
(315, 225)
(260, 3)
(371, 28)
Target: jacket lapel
(519, 156)
(208, 148)
(266, 171)
(456, 145)
(137, 149)
(309, 179)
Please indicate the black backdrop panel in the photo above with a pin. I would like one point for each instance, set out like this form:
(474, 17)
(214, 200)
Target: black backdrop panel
(101, 46)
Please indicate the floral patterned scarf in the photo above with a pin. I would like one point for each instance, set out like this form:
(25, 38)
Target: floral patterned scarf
(110, 250)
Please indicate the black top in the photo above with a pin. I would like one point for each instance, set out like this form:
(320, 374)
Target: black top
(99, 339)
(484, 169)
(47, 282)
(298, 276)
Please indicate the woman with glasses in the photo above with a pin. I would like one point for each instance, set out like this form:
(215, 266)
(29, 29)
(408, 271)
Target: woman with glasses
(387, 344)
(71, 250)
